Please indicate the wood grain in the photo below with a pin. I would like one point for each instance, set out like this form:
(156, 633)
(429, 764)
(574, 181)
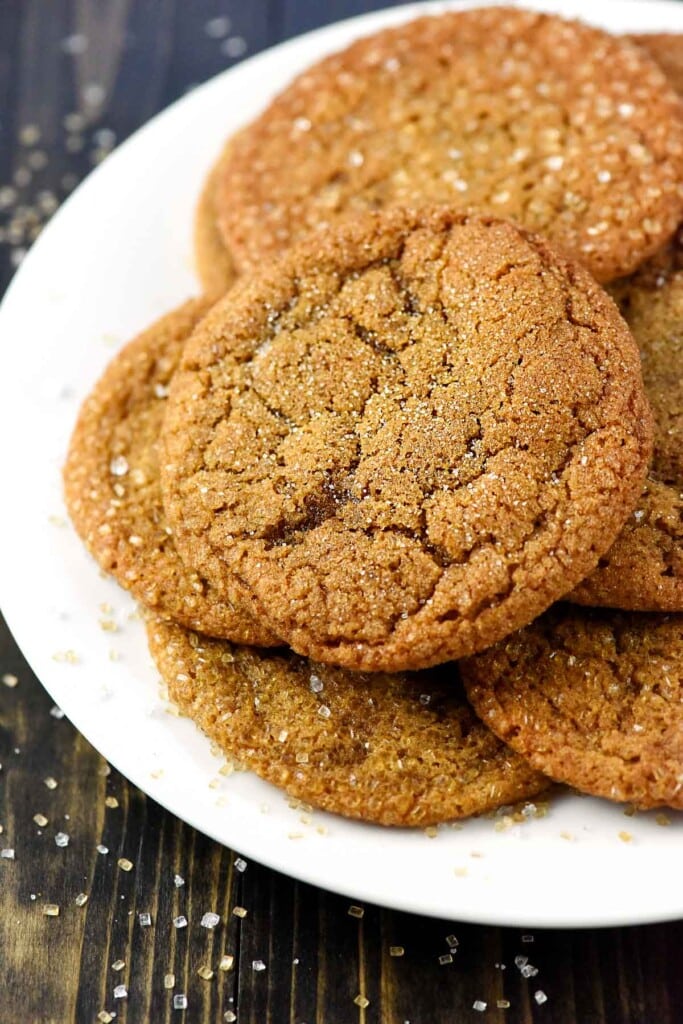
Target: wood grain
(318, 959)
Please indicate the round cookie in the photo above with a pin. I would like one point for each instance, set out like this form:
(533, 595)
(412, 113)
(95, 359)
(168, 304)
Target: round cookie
(396, 750)
(559, 126)
(407, 437)
(214, 264)
(111, 484)
(644, 568)
(666, 49)
(594, 699)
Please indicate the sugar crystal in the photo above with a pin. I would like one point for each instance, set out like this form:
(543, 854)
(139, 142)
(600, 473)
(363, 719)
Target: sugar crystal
(61, 839)
(180, 1002)
(118, 466)
(180, 921)
(210, 920)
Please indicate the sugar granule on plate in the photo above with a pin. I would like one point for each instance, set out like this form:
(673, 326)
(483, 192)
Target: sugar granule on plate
(540, 997)
(125, 864)
(50, 782)
(178, 881)
(180, 1001)
(180, 921)
(354, 911)
(40, 820)
(396, 951)
(258, 965)
(118, 965)
(479, 1005)
(445, 958)
(101, 848)
(81, 899)
(62, 839)
(239, 911)
(210, 920)
(169, 980)
(240, 864)
(7, 853)
(361, 1001)
(205, 972)
(51, 910)
(10, 680)
(145, 919)
(226, 962)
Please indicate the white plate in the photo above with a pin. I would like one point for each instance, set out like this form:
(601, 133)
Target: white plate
(115, 256)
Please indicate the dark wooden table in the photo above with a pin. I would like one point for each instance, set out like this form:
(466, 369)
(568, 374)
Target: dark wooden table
(76, 76)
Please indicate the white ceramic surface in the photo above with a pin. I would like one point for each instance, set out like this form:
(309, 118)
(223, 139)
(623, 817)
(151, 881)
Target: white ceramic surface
(114, 257)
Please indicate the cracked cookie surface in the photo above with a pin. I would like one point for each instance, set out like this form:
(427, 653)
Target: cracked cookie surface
(644, 568)
(407, 437)
(592, 698)
(112, 490)
(392, 749)
(559, 126)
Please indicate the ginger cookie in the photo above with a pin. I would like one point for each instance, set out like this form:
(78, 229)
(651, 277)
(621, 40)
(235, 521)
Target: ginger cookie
(591, 698)
(644, 568)
(111, 483)
(391, 749)
(214, 263)
(556, 125)
(666, 49)
(407, 437)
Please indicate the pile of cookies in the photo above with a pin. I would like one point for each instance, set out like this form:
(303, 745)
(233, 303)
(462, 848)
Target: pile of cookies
(433, 388)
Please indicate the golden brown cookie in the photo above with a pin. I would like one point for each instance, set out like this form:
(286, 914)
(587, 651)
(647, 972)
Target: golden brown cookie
(407, 437)
(397, 750)
(644, 568)
(111, 483)
(214, 263)
(561, 127)
(591, 698)
(666, 49)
